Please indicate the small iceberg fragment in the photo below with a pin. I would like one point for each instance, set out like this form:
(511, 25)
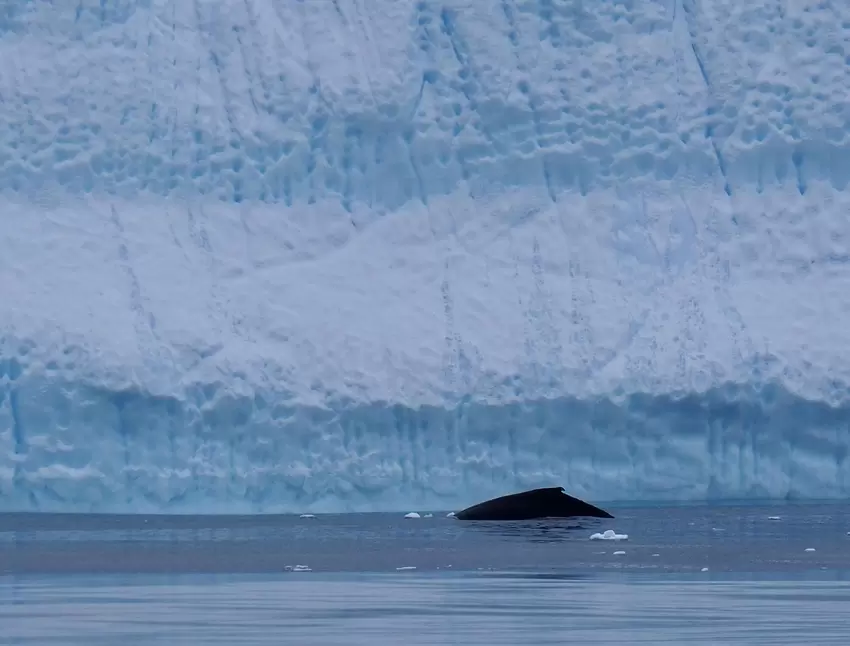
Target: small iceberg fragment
(619, 552)
(451, 514)
(298, 568)
(609, 535)
(774, 517)
(810, 549)
(307, 516)
(428, 516)
(705, 569)
(412, 514)
(406, 567)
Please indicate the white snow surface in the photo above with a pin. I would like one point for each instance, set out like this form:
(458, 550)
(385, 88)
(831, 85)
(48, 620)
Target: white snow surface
(272, 255)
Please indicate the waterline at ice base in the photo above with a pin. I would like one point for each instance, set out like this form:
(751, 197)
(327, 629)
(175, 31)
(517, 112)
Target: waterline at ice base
(280, 256)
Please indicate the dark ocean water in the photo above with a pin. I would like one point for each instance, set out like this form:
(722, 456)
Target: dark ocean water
(760, 574)
(726, 539)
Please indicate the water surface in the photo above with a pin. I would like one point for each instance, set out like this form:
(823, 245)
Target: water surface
(749, 574)
(410, 608)
(725, 539)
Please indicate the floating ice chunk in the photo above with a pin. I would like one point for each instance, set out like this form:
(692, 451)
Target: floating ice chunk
(609, 535)
(428, 516)
(774, 517)
(298, 568)
(705, 569)
(406, 567)
(412, 514)
(307, 516)
(656, 554)
(451, 514)
(810, 549)
(619, 552)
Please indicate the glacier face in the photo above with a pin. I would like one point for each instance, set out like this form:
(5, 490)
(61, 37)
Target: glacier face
(366, 254)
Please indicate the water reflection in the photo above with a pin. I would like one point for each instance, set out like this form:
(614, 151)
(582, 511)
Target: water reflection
(543, 531)
(356, 609)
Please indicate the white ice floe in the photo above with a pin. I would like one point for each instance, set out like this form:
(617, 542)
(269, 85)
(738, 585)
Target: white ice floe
(609, 535)
(298, 568)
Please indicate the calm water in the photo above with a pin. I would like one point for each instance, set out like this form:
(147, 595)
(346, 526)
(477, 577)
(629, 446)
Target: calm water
(695, 574)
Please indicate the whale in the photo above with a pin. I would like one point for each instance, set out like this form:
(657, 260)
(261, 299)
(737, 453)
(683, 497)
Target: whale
(548, 502)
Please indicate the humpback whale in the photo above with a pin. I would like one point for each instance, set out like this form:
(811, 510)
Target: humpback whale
(549, 502)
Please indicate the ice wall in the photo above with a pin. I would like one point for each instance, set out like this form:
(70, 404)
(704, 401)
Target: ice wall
(270, 255)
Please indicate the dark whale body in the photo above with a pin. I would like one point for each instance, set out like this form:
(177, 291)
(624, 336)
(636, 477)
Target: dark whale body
(549, 502)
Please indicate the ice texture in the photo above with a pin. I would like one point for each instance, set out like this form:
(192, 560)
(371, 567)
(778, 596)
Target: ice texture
(282, 255)
(609, 535)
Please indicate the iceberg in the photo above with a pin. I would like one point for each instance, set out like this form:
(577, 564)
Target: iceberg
(282, 256)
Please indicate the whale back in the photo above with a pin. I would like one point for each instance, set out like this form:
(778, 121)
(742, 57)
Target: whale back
(547, 502)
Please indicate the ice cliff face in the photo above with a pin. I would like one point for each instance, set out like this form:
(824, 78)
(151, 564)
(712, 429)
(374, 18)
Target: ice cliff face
(265, 255)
